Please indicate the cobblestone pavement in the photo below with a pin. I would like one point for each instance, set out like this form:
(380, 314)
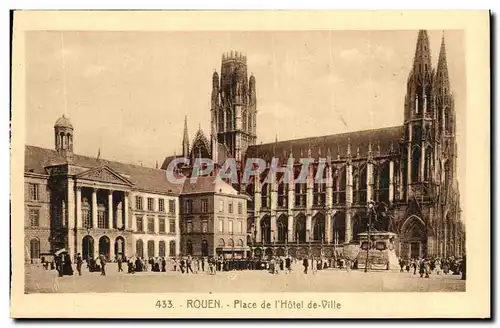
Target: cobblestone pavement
(331, 280)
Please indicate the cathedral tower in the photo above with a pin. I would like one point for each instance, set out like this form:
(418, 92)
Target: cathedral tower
(234, 106)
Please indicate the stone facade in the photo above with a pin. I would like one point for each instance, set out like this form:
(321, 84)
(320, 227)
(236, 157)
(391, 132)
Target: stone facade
(407, 172)
(214, 220)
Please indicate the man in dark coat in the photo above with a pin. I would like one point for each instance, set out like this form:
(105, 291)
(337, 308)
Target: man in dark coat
(103, 264)
(79, 262)
(305, 263)
(288, 265)
(119, 261)
(163, 265)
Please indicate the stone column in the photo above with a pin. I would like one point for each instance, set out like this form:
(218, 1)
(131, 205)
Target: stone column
(291, 205)
(422, 162)
(391, 181)
(329, 205)
(71, 218)
(157, 247)
(408, 164)
(133, 249)
(369, 181)
(308, 227)
(94, 208)
(110, 209)
(273, 227)
(125, 211)
(291, 237)
(157, 225)
(111, 249)
(79, 223)
(257, 204)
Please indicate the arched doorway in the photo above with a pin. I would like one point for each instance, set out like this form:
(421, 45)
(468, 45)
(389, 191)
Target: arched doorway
(204, 247)
(171, 248)
(282, 229)
(338, 228)
(319, 228)
(151, 248)
(120, 246)
(357, 227)
(161, 248)
(34, 249)
(189, 247)
(104, 246)
(265, 228)
(300, 229)
(414, 241)
(87, 247)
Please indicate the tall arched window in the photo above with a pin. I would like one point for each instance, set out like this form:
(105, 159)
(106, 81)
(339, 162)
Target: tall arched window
(282, 229)
(204, 248)
(362, 185)
(265, 228)
(151, 248)
(171, 248)
(161, 248)
(35, 248)
(415, 164)
(282, 194)
(427, 163)
(265, 195)
(189, 247)
(244, 120)
(139, 248)
(221, 121)
(383, 184)
(319, 228)
(229, 117)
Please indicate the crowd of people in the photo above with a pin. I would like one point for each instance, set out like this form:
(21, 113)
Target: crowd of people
(273, 264)
(427, 266)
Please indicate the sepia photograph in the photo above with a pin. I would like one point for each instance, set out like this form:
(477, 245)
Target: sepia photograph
(246, 162)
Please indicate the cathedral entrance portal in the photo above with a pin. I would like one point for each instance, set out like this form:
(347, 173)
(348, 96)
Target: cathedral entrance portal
(413, 238)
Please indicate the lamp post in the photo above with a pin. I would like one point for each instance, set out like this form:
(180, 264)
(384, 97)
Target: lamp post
(368, 244)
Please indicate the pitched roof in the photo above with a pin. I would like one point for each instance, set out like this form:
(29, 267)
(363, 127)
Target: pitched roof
(206, 184)
(335, 144)
(143, 178)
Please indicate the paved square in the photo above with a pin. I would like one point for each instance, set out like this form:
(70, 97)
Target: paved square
(38, 280)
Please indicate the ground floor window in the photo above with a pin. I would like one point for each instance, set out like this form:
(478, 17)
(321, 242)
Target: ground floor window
(172, 248)
(161, 248)
(35, 248)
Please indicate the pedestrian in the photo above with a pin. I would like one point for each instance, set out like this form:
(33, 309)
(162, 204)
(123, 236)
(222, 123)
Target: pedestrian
(288, 265)
(421, 264)
(163, 265)
(79, 262)
(181, 264)
(102, 259)
(305, 263)
(203, 259)
(427, 268)
(314, 265)
(189, 264)
(119, 261)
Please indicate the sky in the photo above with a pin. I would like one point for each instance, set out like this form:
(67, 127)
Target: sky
(127, 93)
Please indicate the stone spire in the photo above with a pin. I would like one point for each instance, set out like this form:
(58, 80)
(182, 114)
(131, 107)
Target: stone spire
(185, 139)
(442, 79)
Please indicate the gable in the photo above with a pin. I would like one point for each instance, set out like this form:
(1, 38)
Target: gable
(104, 174)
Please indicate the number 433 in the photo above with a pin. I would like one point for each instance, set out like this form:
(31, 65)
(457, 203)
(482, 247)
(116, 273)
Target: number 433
(163, 304)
